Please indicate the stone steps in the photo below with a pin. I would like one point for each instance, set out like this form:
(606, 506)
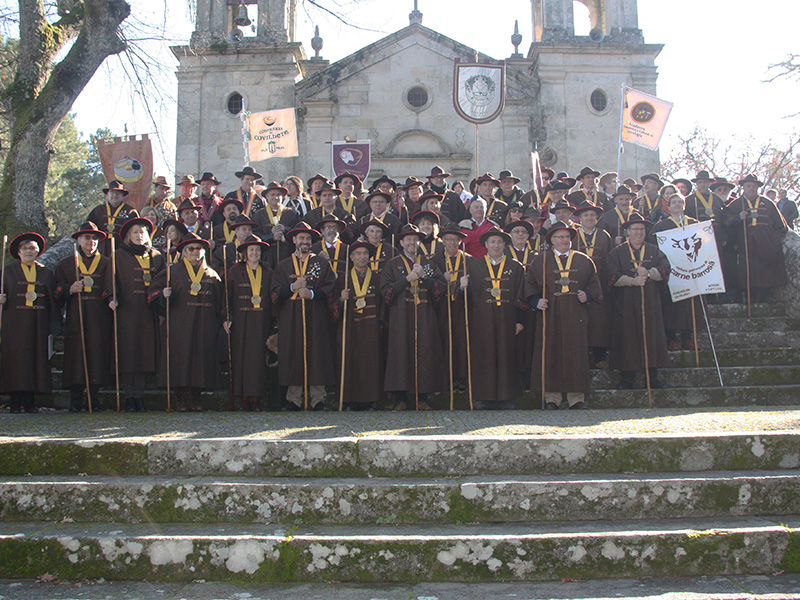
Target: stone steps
(385, 500)
(384, 553)
(739, 311)
(403, 456)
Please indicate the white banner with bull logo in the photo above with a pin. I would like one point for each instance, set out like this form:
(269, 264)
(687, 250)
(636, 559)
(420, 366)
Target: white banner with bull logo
(694, 260)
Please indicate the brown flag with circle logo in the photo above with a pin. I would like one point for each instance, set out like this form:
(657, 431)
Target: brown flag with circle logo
(129, 160)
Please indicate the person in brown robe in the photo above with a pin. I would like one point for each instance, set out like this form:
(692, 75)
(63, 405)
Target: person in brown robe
(612, 220)
(635, 270)
(677, 315)
(138, 268)
(275, 219)
(494, 287)
(452, 313)
(588, 193)
(223, 233)
(428, 223)
(112, 214)
(302, 286)
(90, 289)
(559, 286)
(246, 194)
(224, 257)
(350, 196)
(249, 321)
(28, 308)
(765, 226)
(522, 250)
(331, 245)
(195, 297)
(328, 195)
(379, 211)
(596, 244)
(358, 292)
(411, 285)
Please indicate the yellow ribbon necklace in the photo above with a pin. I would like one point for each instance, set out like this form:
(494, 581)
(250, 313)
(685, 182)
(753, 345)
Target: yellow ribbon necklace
(496, 292)
(753, 209)
(564, 270)
(144, 262)
(299, 269)
(88, 281)
(454, 270)
(707, 204)
(195, 277)
(255, 285)
(30, 277)
(360, 289)
(112, 218)
(589, 249)
(415, 283)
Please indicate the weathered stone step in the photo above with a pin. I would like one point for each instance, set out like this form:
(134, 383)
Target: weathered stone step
(739, 311)
(739, 357)
(774, 395)
(751, 324)
(398, 500)
(380, 553)
(397, 456)
(707, 377)
(750, 339)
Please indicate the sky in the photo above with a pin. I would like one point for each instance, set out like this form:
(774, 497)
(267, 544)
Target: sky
(713, 67)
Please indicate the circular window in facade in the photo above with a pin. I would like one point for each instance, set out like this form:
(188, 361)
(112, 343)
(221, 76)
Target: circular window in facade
(235, 103)
(598, 101)
(417, 98)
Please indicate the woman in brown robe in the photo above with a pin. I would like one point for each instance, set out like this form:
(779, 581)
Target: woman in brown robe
(195, 297)
(249, 321)
(90, 290)
(28, 307)
(359, 292)
(138, 268)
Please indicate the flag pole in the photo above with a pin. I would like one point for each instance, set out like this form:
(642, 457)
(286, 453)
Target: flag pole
(694, 331)
(711, 339)
(344, 330)
(116, 306)
(450, 338)
(619, 146)
(166, 309)
(646, 354)
(544, 321)
(469, 352)
(231, 397)
(747, 262)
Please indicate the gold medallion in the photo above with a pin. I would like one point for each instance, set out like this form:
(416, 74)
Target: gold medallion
(147, 276)
(361, 303)
(88, 282)
(564, 281)
(31, 296)
(496, 292)
(195, 287)
(110, 228)
(256, 300)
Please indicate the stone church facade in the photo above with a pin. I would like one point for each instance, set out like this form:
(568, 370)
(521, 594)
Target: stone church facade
(562, 97)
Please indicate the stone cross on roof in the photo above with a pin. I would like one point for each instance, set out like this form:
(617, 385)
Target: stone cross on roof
(415, 17)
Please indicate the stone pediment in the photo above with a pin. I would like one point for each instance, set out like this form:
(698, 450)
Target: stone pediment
(319, 85)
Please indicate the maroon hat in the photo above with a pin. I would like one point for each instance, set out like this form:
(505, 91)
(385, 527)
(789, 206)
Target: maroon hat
(208, 176)
(410, 229)
(248, 170)
(722, 182)
(231, 200)
(91, 229)
(653, 177)
(533, 213)
(438, 171)
(635, 219)
(562, 204)
(188, 204)
(430, 194)
(703, 175)
(274, 185)
(115, 184)
(327, 186)
(363, 227)
(632, 184)
(356, 180)
(425, 214)
(559, 226)
(570, 181)
(382, 179)
(559, 184)
(549, 171)
(585, 171)
(332, 219)
(412, 181)
(585, 207)
(487, 177)
(684, 181)
(192, 238)
(623, 190)
(314, 178)
(126, 226)
(30, 236)
(377, 194)
(252, 241)
(452, 228)
(303, 227)
(178, 224)
(241, 221)
(495, 232)
(751, 178)
(510, 226)
(356, 245)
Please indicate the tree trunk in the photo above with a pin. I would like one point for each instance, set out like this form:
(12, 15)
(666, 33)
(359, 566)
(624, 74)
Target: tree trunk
(39, 104)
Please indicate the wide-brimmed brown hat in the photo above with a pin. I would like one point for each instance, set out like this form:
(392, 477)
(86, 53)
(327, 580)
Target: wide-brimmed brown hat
(412, 181)
(533, 213)
(162, 181)
(632, 184)
(562, 204)
(356, 180)
(585, 207)
(702, 175)
(452, 228)
(410, 229)
(117, 186)
(510, 226)
(495, 232)
(751, 178)
(252, 241)
(438, 171)
(507, 174)
(549, 171)
(635, 219)
(248, 170)
(722, 182)
(383, 179)
(231, 200)
(242, 220)
(181, 227)
(560, 226)
(274, 186)
(378, 194)
(684, 181)
(425, 214)
(304, 227)
(559, 184)
(377, 223)
(209, 176)
(327, 186)
(319, 176)
(29, 236)
(356, 245)
(653, 177)
(430, 194)
(587, 171)
(487, 178)
(563, 176)
(623, 190)
(126, 226)
(341, 225)
(192, 238)
(188, 204)
(189, 180)
(90, 229)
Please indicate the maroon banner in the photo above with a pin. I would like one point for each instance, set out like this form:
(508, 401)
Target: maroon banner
(351, 157)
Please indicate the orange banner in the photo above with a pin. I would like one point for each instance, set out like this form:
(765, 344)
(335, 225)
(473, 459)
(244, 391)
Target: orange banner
(130, 160)
(272, 134)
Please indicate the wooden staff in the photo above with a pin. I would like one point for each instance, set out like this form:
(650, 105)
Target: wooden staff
(544, 323)
(228, 312)
(3, 277)
(450, 338)
(416, 347)
(466, 327)
(167, 302)
(83, 333)
(747, 260)
(305, 355)
(646, 357)
(694, 330)
(344, 331)
(114, 298)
